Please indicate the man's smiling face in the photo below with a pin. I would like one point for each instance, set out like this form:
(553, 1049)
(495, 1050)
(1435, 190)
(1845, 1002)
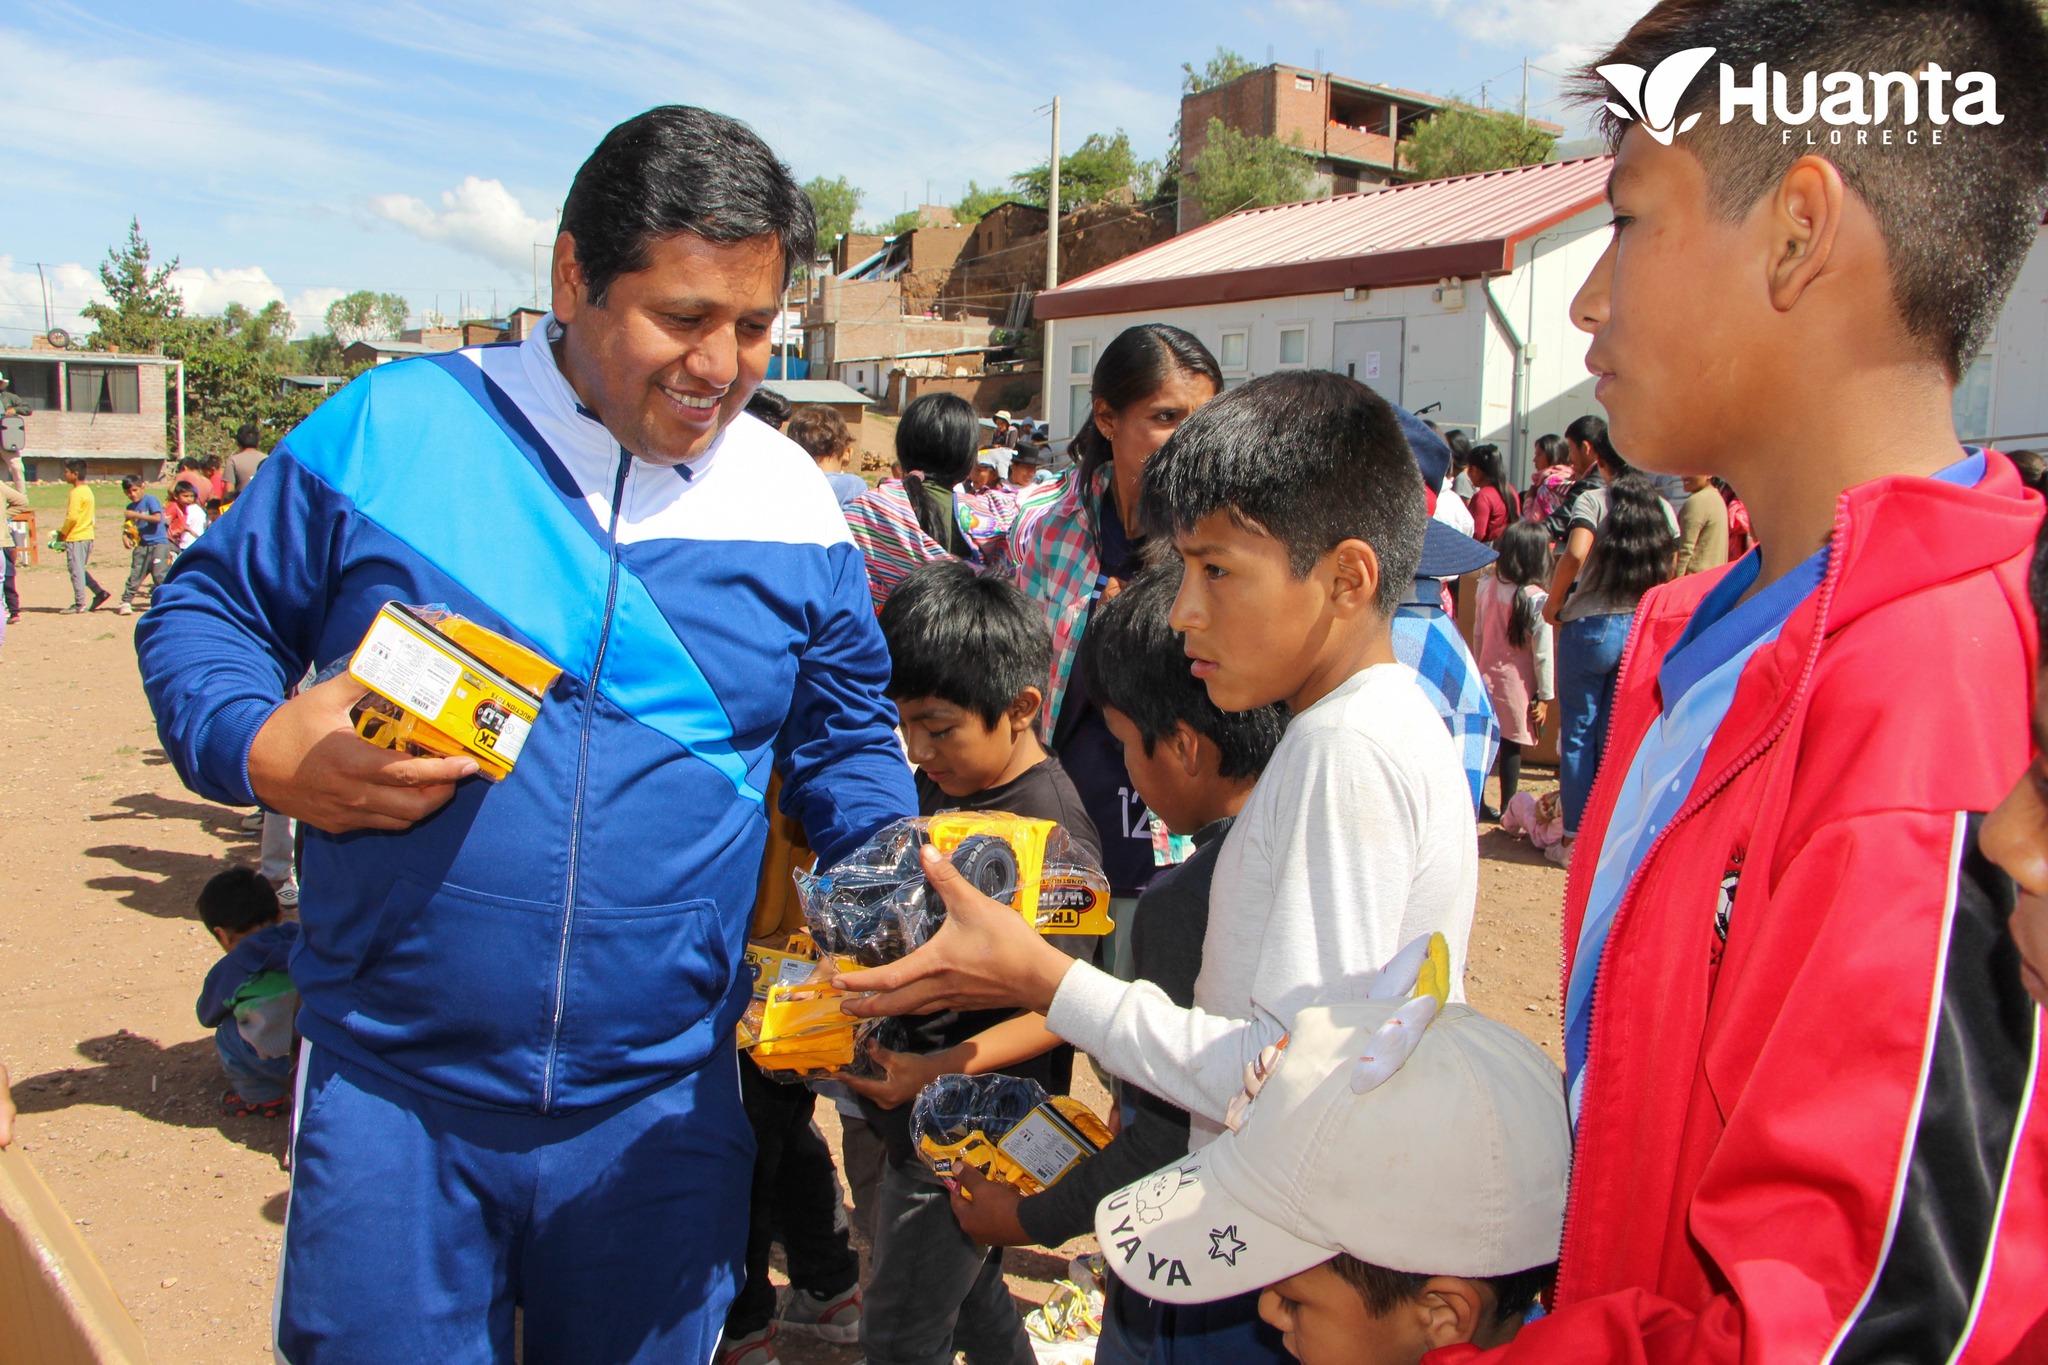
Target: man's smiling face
(677, 347)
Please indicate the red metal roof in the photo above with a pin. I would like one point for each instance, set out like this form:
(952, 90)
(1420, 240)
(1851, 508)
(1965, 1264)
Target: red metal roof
(1402, 234)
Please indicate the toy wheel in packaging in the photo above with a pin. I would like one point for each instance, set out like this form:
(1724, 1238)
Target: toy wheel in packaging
(1006, 1128)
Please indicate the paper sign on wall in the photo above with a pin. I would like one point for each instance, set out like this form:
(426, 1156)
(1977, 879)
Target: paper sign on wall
(1372, 365)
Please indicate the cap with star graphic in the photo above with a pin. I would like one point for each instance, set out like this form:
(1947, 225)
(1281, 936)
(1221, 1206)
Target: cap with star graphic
(1451, 1163)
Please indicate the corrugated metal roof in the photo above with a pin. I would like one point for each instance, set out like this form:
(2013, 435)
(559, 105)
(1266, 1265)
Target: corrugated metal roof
(1465, 222)
(816, 391)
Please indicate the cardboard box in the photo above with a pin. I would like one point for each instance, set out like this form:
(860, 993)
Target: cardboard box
(445, 685)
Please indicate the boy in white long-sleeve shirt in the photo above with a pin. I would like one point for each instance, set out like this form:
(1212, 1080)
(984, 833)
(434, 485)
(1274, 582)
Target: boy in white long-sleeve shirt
(1294, 503)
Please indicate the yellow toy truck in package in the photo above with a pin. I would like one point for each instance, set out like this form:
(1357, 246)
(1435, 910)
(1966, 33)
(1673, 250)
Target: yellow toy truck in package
(875, 906)
(1006, 1127)
(442, 684)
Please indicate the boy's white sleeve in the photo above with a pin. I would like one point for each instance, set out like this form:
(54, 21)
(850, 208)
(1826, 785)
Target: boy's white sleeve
(1187, 1057)
(1542, 644)
(1342, 854)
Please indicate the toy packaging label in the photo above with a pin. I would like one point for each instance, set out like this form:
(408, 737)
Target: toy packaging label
(788, 965)
(1045, 1145)
(448, 686)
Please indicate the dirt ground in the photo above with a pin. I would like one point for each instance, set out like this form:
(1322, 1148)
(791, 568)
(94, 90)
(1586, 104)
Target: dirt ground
(102, 954)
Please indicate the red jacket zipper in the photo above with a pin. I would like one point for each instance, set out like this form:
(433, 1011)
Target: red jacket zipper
(1824, 600)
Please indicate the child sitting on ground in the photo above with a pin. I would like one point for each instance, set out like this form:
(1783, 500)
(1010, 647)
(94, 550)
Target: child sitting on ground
(1194, 766)
(248, 999)
(1388, 1192)
(968, 656)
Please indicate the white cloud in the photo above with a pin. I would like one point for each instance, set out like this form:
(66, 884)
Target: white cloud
(1539, 25)
(22, 295)
(478, 216)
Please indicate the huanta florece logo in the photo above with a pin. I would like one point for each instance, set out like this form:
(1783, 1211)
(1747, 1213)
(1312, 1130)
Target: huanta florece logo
(1857, 105)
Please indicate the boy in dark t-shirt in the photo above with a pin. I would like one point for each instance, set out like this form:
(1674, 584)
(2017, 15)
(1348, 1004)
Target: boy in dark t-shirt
(1193, 765)
(967, 657)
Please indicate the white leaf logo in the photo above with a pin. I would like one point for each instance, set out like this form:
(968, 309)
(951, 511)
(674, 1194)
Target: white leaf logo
(1653, 96)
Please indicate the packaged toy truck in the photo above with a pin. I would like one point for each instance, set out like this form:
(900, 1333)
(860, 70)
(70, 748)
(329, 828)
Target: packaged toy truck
(875, 906)
(442, 684)
(1006, 1127)
(793, 1026)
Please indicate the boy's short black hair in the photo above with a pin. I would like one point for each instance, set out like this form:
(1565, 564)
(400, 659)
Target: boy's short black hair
(129, 481)
(972, 640)
(1308, 457)
(1385, 1290)
(1957, 219)
(75, 467)
(1133, 661)
(248, 436)
(238, 900)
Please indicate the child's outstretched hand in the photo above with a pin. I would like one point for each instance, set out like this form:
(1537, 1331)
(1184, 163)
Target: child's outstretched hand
(983, 957)
(987, 1210)
(908, 1073)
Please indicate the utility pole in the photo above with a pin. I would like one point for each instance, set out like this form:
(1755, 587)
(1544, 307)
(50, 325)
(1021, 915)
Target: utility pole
(1525, 92)
(1052, 205)
(45, 283)
(1052, 256)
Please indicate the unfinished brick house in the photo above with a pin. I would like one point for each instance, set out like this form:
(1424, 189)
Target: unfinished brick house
(1353, 129)
(947, 306)
(109, 409)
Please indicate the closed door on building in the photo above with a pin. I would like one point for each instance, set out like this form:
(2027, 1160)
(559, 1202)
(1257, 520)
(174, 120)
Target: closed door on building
(1370, 352)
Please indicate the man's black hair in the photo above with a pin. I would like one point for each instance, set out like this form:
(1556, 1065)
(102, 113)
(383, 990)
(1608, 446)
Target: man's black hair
(248, 436)
(677, 169)
(238, 900)
(1385, 1290)
(1308, 457)
(1958, 219)
(1133, 661)
(974, 641)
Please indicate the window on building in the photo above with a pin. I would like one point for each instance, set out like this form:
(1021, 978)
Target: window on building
(102, 388)
(35, 381)
(1081, 358)
(1304, 82)
(1294, 345)
(1236, 350)
(1080, 408)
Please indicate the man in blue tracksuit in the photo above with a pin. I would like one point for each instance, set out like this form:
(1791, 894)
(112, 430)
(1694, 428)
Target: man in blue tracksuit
(519, 1087)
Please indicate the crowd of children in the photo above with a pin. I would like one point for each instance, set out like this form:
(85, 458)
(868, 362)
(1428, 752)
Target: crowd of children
(1797, 1116)
(1809, 1002)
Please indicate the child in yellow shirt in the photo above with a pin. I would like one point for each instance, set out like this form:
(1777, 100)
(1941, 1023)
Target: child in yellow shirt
(76, 533)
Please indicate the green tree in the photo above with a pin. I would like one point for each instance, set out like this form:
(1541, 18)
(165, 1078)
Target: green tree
(1102, 164)
(835, 201)
(144, 309)
(1462, 140)
(1221, 69)
(1235, 171)
(906, 221)
(366, 316)
(977, 203)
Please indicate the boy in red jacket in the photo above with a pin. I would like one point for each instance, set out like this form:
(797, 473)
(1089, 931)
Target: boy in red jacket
(1800, 1065)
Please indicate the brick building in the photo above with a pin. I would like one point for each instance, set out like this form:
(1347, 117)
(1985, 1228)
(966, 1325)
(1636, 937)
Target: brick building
(1353, 129)
(112, 410)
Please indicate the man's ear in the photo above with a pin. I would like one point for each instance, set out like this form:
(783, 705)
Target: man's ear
(1025, 708)
(1804, 220)
(1452, 1310)
(1355, 571)
(565, 273)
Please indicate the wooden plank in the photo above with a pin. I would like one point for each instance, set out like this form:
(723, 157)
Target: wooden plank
(57, 1306)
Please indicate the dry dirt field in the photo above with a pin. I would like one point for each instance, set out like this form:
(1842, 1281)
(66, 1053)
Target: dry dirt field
(102, 954)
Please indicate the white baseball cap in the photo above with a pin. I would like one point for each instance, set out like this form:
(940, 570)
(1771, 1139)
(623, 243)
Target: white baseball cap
(1453, 1164)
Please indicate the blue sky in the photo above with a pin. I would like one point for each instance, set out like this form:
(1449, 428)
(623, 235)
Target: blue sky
(299, 150)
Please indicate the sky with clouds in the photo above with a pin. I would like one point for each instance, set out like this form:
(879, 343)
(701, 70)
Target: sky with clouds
(296, 150)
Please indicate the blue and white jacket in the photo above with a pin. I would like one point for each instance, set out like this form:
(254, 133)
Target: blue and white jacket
(573, 934)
